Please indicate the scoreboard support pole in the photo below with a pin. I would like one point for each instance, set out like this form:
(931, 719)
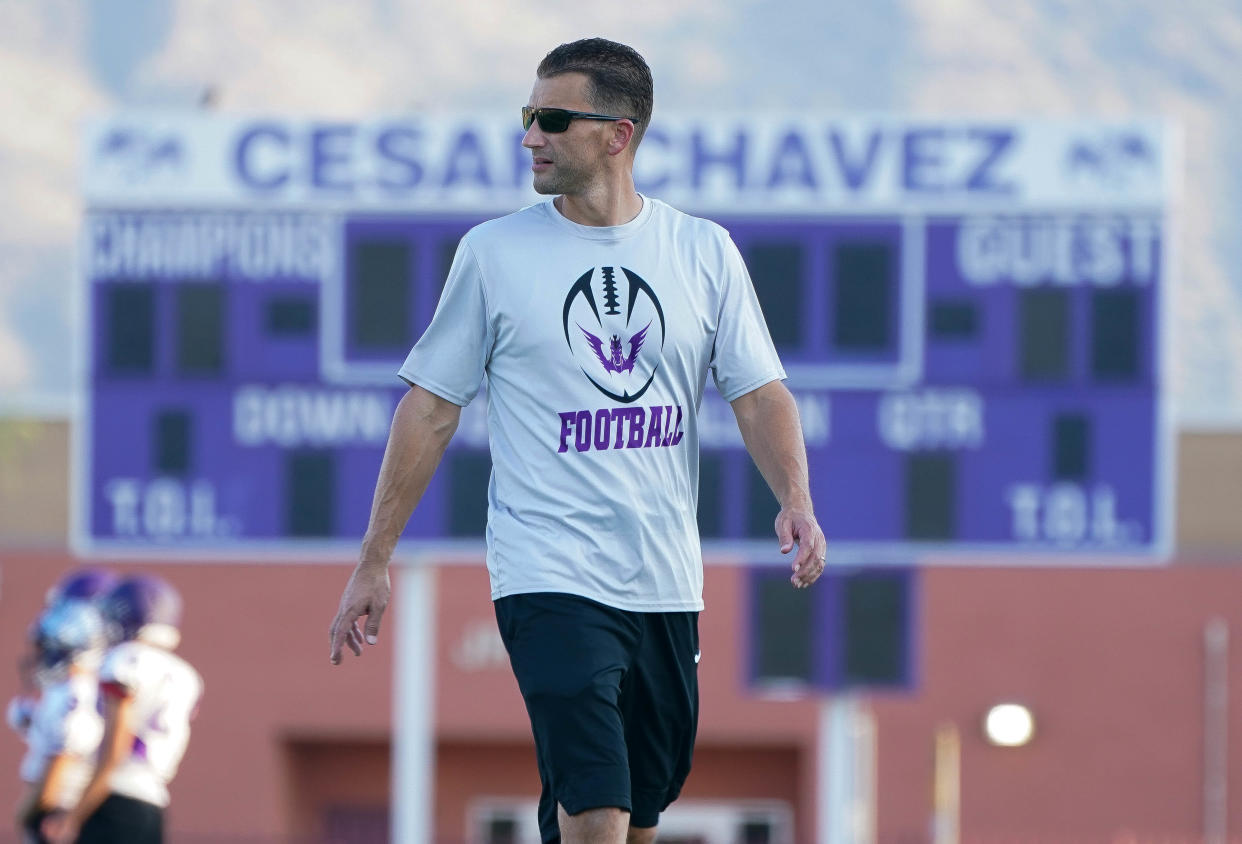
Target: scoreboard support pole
(846, 771)
(1216, 731)
(412, 812)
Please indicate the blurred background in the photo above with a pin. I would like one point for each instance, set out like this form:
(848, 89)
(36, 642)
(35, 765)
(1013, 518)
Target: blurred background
(995, 246)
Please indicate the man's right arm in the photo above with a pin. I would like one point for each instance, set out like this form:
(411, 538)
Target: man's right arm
(421, 429)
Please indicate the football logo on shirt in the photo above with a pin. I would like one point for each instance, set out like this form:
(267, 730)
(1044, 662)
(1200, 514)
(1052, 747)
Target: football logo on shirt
(614, 326)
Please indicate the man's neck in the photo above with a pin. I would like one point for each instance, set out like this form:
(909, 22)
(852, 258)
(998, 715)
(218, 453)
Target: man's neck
(601, 207)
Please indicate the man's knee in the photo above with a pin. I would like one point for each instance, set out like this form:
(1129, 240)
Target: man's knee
(641, 835)
(607, 823)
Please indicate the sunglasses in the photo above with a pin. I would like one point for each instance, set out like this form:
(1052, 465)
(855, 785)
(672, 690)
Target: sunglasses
(557, 120)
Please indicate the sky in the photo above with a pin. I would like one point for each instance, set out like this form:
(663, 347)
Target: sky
(64, 60)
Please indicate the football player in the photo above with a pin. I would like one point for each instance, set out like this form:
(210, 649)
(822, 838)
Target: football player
(55, 710)
(149, 697)
(64, 726)
(83, 584)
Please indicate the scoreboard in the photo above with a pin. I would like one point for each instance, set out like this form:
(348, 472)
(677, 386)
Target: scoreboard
(970, 312)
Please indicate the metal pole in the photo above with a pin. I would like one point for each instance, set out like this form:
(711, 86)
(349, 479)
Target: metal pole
(845, 810)
(1215, 730)
(413, 747)
(833, 766)
(947, 785)
(864, 741)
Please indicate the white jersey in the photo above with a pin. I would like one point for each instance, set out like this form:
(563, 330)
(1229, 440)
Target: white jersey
(165, 691)
(65, 721)
(596, 343)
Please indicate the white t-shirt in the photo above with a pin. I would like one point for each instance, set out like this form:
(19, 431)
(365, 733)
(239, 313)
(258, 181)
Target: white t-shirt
(596, 343)
(165, 690)
(65, 720)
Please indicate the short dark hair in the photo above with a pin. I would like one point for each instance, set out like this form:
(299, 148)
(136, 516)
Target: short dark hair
(619, 81)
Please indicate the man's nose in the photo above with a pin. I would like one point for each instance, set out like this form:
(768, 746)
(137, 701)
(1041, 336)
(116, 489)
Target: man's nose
(534, 137)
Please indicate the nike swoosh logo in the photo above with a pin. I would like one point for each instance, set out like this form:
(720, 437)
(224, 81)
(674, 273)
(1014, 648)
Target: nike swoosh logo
(697, 656)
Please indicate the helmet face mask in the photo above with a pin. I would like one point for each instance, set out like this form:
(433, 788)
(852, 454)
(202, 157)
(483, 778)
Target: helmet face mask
(70, 633)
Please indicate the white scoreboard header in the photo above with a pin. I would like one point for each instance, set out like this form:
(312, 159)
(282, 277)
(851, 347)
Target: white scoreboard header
(708, 162)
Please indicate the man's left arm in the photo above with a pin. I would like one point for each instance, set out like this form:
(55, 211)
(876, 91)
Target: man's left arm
(768, 419)
(118, 739)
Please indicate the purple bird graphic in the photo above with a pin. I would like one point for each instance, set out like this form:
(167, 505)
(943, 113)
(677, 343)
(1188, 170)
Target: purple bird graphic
(615, 360)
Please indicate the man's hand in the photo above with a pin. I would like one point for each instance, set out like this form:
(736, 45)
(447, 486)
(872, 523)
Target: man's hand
(60, 828)
(367, 594)
(798, 527)
(767, 416)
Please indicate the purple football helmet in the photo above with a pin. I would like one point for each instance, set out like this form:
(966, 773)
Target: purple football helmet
(85, 584)
(137, 602)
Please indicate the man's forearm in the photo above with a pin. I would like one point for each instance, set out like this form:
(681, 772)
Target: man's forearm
(421, 429)
(116, 744)
(49, 787)
(768, 420)
(95, 793)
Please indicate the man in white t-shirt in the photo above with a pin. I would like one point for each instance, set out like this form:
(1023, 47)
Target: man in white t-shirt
(595, 318)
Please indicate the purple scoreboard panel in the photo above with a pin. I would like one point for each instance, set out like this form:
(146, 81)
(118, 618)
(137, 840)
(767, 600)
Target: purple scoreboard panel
(970, 313)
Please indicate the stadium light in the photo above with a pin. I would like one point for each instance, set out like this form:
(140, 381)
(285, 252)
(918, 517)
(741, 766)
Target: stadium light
(1009, 725)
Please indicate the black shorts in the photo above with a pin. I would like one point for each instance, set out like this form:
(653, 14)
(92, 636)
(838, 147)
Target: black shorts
(613, 699)
(124, 819)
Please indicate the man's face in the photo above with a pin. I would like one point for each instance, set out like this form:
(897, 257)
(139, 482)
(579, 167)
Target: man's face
(566, 162)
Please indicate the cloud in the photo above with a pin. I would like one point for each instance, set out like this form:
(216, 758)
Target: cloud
(46, 92)
(349, 60)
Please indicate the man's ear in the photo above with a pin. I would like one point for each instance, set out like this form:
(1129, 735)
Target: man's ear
(622, 136)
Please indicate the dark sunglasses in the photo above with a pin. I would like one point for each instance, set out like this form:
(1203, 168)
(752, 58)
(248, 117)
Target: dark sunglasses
(557, 120)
